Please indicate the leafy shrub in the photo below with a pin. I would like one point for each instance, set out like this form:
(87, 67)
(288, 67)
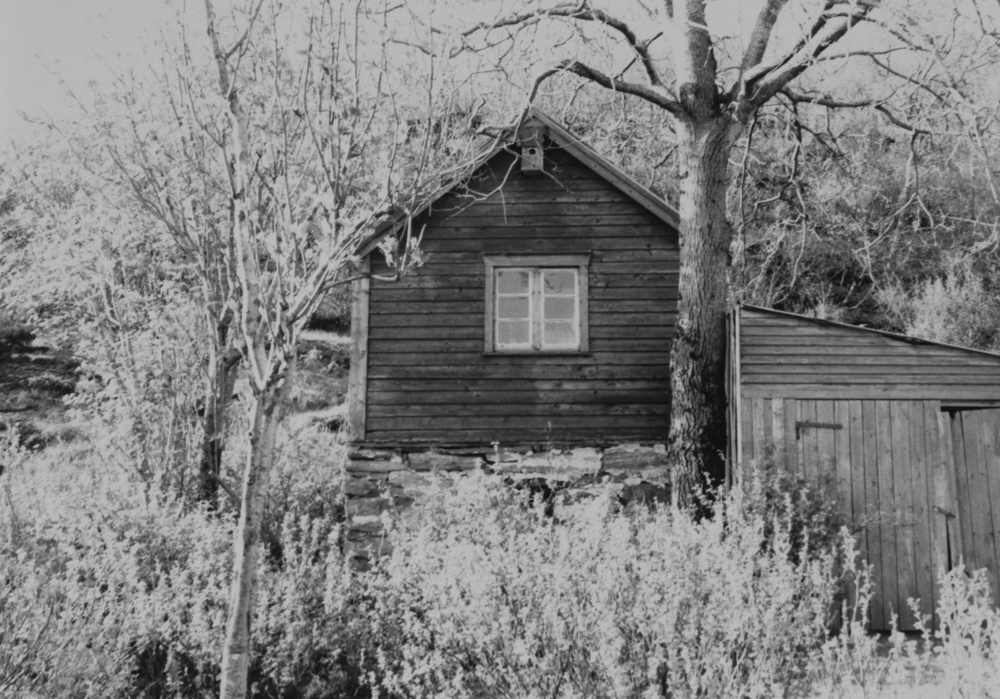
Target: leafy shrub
(807, 506)
(484, 596)
(307, 483)
(105, 592)
(964, 660)
(957, 307)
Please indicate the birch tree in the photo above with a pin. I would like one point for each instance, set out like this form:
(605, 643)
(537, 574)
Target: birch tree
(320, 139)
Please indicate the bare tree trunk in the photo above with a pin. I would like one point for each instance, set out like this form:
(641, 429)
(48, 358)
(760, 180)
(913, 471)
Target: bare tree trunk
(697, 358)
(266, 416)
(218, 395)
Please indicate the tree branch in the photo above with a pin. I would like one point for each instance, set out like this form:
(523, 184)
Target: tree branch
(583, 11)
(762, 82)
(877, 105)
(646, 92)
(761, 35)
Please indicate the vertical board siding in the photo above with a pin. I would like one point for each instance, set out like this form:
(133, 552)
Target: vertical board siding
(842, 456)
(885, 509)
(872, 521)
(945, 534)
(429, 380)
(989, 422)
(923, 511)
(882, 460)
(976, 436)
(902, 510)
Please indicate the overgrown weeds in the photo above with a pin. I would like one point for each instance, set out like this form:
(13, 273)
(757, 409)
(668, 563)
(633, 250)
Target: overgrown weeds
(483, 596)
(105, 592)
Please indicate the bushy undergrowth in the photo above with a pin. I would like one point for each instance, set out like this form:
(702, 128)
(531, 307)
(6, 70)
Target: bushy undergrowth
(957, 307)
(106, 592)
(486, 597)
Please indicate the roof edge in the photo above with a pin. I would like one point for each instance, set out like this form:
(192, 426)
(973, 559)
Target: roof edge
(609, 171)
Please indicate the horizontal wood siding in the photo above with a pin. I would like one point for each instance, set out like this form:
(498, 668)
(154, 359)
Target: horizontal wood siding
(783, 356)
(429, 381)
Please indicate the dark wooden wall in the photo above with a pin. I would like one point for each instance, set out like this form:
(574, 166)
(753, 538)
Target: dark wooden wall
(902, 430)
(785, 356)
(428, 379)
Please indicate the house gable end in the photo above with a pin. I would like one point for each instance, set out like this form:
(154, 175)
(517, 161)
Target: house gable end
(555, 136)
(431, 378)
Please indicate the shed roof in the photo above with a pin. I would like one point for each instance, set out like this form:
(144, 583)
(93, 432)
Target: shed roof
(559, 135)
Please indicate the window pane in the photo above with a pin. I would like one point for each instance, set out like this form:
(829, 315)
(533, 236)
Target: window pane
(514, 307)
(513, 281)
(513, 332)
(560, 308)
(560, 334)
(559, 281)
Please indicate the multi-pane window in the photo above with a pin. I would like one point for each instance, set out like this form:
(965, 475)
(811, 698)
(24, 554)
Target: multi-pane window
(536, 308)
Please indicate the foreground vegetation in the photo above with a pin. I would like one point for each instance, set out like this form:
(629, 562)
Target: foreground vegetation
(110, 587)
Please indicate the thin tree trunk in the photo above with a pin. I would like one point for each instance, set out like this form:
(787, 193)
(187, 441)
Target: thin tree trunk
(218, 396)
(266, 416)
(697, 358)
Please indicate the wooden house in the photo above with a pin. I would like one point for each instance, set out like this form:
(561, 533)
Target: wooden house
(542, 314)
(907, 430)
(535, 339)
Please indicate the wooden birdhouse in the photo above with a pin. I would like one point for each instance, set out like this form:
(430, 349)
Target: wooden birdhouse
(530, 138)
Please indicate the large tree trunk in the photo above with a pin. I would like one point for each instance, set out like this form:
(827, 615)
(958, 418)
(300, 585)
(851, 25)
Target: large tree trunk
(697, 440)
(266, 416)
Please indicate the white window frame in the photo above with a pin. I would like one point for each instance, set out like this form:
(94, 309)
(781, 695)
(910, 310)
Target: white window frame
(536, 265)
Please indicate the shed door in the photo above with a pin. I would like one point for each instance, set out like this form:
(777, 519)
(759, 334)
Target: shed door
(976, 445)
(890, 462)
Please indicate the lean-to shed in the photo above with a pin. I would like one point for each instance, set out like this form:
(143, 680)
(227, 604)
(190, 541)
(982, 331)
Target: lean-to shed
(908, 430)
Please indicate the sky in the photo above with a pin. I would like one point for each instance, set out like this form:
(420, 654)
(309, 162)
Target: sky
(45, 41)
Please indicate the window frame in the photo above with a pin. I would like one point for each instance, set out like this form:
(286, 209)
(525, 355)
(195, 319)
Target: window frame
(536, 263)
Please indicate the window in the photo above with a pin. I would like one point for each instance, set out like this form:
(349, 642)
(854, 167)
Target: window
(536, 304)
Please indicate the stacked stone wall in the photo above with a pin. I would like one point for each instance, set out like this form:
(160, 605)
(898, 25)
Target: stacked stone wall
(381, 483)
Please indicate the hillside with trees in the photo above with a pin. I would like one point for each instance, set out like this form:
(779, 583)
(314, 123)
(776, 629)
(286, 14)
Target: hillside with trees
(176, 260)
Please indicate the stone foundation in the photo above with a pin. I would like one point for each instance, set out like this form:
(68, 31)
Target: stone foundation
(381, 481)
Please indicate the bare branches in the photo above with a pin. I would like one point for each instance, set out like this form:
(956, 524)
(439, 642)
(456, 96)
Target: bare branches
(654, 96)
(760, 83)
(581, 10)
(640, 47)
